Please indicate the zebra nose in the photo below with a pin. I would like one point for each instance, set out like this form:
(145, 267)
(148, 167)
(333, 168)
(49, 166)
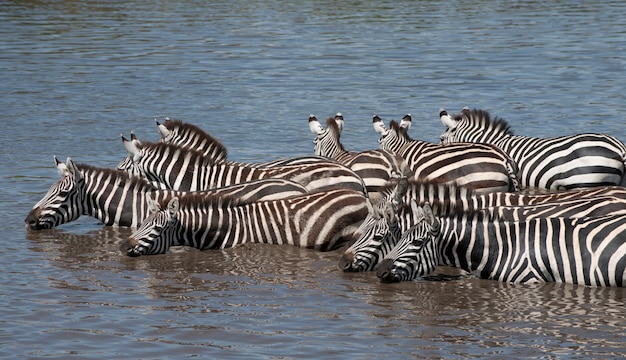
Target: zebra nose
(32, 218)
(384, 272)
(127, 246)
(345, 263)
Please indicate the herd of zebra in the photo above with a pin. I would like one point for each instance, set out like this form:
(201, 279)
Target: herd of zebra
(510, 208)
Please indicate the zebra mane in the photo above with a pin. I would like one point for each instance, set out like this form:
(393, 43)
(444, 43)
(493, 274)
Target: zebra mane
(161, 147)
(401, 131)
(193, 201)
(482, 119)
(183, 128)
(445, 199)
(134, 182)
(333, 129)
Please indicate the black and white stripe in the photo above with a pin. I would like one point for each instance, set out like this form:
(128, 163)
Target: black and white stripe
(589, 251)
(323, 220)
(479, 166)
(115, 198)
(190, 136)
(183, 169)
(382, 227)
(564, 162)
(375, 167)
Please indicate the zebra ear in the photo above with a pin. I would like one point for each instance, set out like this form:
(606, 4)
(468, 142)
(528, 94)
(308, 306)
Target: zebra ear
(372, 210)
(406, 121)
(417, 212)
(315, 126)
(379, 126)
(173, 206)
(339, 120)
(446, 119)
(428, 215)
(153, 205)
(61, 167)
(389, 213)
(164, 132)
(73, 170)
(132, 149)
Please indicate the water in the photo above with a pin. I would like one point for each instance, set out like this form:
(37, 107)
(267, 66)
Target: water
(77, 74)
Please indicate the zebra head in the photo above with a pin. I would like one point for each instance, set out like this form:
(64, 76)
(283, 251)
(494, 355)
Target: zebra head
(156, 233)
(128, 164)
(378, 233)
(191, 136)
(63, 202)
(473, 126)
(396, 136)
(415, 254)
(327, 141)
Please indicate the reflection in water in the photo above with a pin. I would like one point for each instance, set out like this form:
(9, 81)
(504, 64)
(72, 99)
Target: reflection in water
(284, 291)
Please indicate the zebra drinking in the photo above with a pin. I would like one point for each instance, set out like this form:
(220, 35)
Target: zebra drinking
(384, 224)
(479, 166)
(116, 198)
(589, 251)
(564, 162)
(177, 168)
(322, 220)
(375, 167)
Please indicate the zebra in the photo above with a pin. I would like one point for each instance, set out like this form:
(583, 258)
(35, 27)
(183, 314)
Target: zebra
(375, 167)
(380, 224)
(564, 162)
(323, 221)
(177, 168)
(479, 166)
(116, 198)
(588, 251)
(382, 227)
(192, 137)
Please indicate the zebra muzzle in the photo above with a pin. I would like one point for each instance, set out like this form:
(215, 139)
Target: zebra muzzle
(385, 272)
(128, 247)
(345, 263)
(33, 220)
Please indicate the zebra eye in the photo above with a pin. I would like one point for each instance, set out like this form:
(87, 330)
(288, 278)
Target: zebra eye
(418, 242)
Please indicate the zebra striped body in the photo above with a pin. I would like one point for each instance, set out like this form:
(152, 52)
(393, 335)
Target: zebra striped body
(565, 162)
(478, 166)
(323, 220)
(379, 234)
(115, 198)
(589, 251)
(375, 167)
(187, 170)
(192, 137)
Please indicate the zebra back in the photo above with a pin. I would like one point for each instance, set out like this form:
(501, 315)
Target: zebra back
(115, 198)
(479, 166)
(187, 170)
(565, 162)
(323, 220)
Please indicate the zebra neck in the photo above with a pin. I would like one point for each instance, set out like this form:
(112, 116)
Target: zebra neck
(115, 198)
(459, 236)
(428, 258)
(208, 227)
